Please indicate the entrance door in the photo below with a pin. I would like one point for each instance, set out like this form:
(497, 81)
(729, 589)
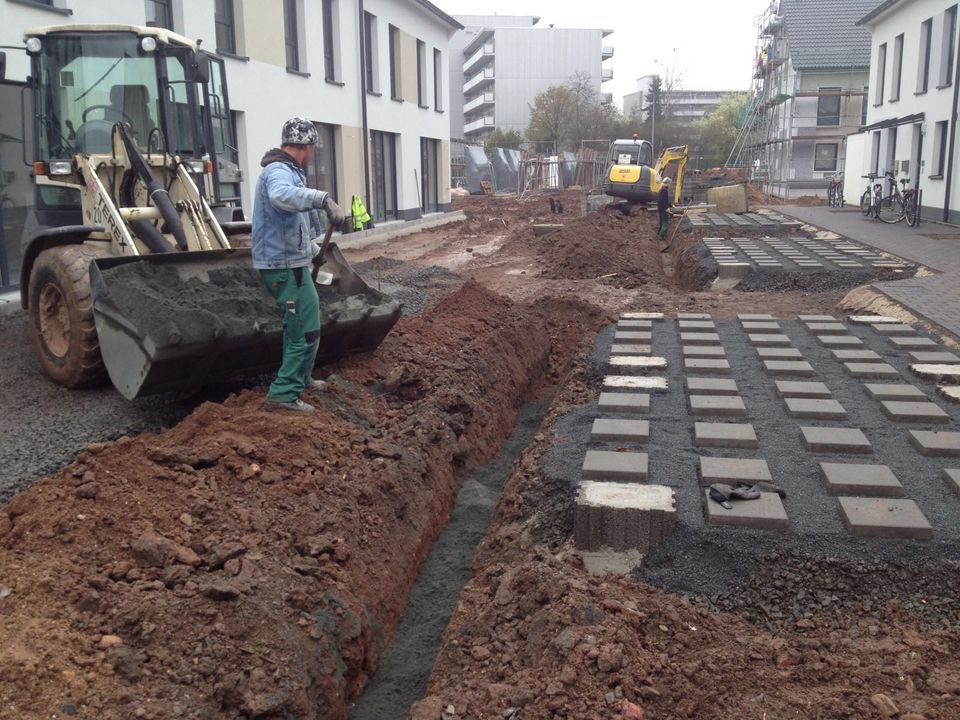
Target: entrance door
(429, 175)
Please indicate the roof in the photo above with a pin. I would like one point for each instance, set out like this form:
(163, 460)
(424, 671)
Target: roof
(824, 35)
(868, 19)
(426, 4)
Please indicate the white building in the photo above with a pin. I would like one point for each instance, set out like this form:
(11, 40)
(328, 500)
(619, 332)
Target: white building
(911, 124)
(383, 114)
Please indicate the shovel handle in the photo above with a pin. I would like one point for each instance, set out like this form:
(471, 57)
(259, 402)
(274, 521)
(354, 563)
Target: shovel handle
(318, 261)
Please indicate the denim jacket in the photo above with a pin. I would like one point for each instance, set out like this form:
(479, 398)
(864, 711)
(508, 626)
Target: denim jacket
(283, 212)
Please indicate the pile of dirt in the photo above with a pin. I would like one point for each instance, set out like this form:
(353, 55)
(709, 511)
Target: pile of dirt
(255, 564)
(756, 196)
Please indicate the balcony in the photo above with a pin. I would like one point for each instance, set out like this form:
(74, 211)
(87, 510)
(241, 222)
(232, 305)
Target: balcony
(482, 123)
(482, 78)
(481, 57)
(481, 101)
(606, 74)
(607, 52)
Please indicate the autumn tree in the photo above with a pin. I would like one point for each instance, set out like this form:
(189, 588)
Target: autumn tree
(718, 129)
(499, 138)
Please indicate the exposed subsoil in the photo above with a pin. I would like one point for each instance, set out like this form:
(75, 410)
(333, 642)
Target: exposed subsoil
(247, 564)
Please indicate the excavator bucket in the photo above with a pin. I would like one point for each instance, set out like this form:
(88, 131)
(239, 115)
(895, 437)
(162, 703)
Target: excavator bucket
(175, 321)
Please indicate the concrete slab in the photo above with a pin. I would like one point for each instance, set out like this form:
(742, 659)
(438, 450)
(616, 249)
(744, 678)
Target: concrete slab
(615, 466)
(636, 365)
(798, 368)
(703, 351)
(724, 435)
(866, 517)
(815, 409)
(622, 516)
(857, 355)
(718, 405)
(866, 370)
(627, 382)
(764, 513)
(696, 325)
(912, 411)
(634, 324)
(698, 338)
(802, 389)
(894, 391)
(693, 316)
(936, 444)
(934, 357)
(706, 365)
(839, 341)
(894, 329)
(768, 339)
(632, 337)
(630, 349)
(758, 325)
(835, 439)
(641, 316)
(827, 328)
(941, 372)
(732, 470)
(912, 343)
(779, 353)
(624, 403)
(711, 386)
(616, 430)
(950, 392)
(951, 477)
(860, 480)
(873, 319)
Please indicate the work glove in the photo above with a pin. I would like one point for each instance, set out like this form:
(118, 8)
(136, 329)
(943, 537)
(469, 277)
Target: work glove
(334, 212)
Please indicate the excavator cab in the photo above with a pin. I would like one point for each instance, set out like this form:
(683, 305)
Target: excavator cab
(635, 177)
(136, 266)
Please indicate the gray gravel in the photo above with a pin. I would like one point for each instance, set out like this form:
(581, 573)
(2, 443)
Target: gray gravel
(413, 285)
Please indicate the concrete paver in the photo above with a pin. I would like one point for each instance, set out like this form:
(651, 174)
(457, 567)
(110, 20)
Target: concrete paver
(912, 411)
(615, 466)
(951, 476)
(894, 329)
(617, 349)
(706, 365)
(927, 356)
(632, 337)
(779, 353)
(894, 391)
(836, 439)
(802, 389)
(827, 328)
(703, 351)
(696, 324)
(768, 339)
(869, 370)
(936, 444)
(764, 513)
(912, 343)
(815, 409)
(724, 435)
(839, 341)
(634, 324)
(636, 365)
(732, 470)
(615, 430)
(866, 517)
(856, 355)
(860, 480)
(628, 382)
(623, 516)
(711, 386)
(799, 368)
(699, 338)
(625, 403)
(759, 325)
(718, 405)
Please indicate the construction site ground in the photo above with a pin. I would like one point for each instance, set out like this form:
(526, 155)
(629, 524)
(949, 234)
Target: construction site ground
(407, 549)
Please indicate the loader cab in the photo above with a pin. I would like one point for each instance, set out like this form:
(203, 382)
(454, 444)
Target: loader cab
(172, 95)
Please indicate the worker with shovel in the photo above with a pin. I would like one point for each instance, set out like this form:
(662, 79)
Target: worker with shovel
(663, 205)
(282, 253)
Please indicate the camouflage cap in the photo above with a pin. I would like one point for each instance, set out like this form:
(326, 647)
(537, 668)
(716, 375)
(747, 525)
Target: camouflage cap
(299, 131)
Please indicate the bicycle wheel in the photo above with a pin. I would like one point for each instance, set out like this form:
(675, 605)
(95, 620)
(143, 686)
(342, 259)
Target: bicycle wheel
(831, 196)
(890, 210)
(866, 203)
(839, 194)
(911, 211)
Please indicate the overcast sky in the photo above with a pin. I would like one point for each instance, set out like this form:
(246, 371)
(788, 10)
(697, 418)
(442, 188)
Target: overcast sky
(711, 42)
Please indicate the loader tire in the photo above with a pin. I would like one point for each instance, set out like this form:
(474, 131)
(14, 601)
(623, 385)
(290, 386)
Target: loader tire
(61, 314)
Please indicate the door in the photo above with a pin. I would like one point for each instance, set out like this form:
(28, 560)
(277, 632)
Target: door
(429, 175)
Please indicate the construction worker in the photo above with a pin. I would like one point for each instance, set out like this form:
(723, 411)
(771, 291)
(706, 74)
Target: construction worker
(283, 249)
(664, 204)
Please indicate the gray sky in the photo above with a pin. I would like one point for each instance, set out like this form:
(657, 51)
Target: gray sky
(710, 43)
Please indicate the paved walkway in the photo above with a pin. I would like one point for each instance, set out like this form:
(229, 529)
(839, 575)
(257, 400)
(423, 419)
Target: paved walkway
(935, 298)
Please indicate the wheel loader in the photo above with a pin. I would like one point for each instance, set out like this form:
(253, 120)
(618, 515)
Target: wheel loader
(635, 177)
(135, 265)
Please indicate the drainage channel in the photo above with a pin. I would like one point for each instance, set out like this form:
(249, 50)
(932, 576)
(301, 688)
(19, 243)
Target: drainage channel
(402, 677)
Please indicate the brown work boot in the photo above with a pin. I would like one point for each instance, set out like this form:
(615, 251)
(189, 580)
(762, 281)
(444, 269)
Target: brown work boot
(297, 404)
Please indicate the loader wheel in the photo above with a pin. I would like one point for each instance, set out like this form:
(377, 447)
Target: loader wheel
(61, 314)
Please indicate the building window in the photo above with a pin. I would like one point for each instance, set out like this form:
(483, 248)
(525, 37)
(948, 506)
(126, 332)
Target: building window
(825, 157)
(421, 73)
(881, 73)
(429, 175)
(226, 30)
(394, 40)
(329, 49)
(864, 104)
(948, 47)
(384, 166)
(437, 81)
(370, 55)
(828, 106)
(897, 68)
(322, 169)
(291, 34)
(159, 14)
(891, 150)
(940, 148)
(923, 77)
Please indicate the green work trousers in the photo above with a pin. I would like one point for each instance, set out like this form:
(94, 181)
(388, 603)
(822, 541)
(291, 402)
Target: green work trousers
(300, 306)
(664, 223)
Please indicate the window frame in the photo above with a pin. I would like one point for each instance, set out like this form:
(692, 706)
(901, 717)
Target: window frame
(881, 74)
(829, 93)
(422, 74)
(330, 65)
(167, 7)
(230, 23)
(291, 35)
(941, 135)
(836, 157)
(896, 80)
(948, 47)
(370, 53)
(864, 105)
(393, 45)
(437, 78)
(923, 67)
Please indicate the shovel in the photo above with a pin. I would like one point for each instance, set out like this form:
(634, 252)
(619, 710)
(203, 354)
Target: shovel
(673, 234)
(322, 278)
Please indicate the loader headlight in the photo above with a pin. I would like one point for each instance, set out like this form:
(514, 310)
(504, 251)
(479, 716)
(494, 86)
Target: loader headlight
(60, 167)
(33, 45)
(148, 44)
(197, 167)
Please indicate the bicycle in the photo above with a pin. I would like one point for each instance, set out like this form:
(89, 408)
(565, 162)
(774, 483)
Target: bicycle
(892, 208)
(835, 191)
(867, 204)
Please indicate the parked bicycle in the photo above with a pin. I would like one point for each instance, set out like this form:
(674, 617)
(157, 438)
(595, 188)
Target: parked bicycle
(867, 204)
(897, 204)
(835, 191)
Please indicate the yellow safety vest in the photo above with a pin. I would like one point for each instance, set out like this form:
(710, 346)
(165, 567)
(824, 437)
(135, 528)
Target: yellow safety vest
(360, 215)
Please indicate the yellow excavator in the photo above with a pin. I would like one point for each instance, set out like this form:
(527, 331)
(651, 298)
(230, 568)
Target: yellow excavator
(635, 177)
(135, 264)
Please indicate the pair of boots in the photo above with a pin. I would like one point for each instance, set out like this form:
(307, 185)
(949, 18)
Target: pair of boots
(723, 494)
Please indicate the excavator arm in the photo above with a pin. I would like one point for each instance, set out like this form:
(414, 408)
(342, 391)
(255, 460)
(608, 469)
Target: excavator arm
(665, 168)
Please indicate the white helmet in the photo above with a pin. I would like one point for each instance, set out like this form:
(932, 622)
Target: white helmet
(667, 181)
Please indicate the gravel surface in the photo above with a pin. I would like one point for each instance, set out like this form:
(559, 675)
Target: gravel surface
(412, 285)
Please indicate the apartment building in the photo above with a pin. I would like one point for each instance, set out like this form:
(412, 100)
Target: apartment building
(911, 122)
(811, 71)
(685, 106)
(375, 84)
(499, 64)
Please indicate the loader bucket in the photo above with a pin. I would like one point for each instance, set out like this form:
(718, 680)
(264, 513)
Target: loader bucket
(175, 321)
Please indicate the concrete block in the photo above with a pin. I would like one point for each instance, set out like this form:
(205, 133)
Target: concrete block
(855, 355)
(636, 365)
(936, 444)
(732, 470)
(779, 353)
(912, 411)
(827, 328)
(622, 516)
(912, 343)
(802, 389)
(627, 382)
(839, 341)
(835, 439)
(616, 430)
(942, 373)
(816, 318)
(703, 351)
(641, 316)
(878, 517)
(867, 370)
(894, 391)
(860, 480)
(934, 357)
(753, 316)
(699, 338)
(728, 198)
(693, 316)
(615, 466)
(696, 325)
(798, 368)
(894, 329)
(719, 405)
(630, 349)
(634, 324)
(764, 513)
(815, 409)
(632, 337)
(950, 392)
(724, 435)
(760, 326)
(768, 339)
(711, 386)
(625, 403)
(706, 365)
(873, 319)
(951, 477)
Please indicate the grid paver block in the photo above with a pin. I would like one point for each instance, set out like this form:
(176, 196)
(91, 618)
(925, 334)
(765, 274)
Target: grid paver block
(733, 470)
(827, 328)
(868, 370)
(703, 351)
(724, 435)
(941, 372)
(816, 318)
(951, 477)
(855, 355)
(894, 329)
(779, 353)
(797, 368)
(617, 349)
(754, 317)
(935, 357)
(768, 339)
(718, 405)
(641, 316)
(882, 517)
(625, 403)
(835, 439)
(616, 430)
(706, 365)
(764, 513)
(623, 516)
(950, 392)
(936, 444)
(839, 341)
(815, 409)
(860, 480)
(760, 325)
(632, 337)
(894, 391)
(699, 338)
(696, 325)
(634, 324)
(711, 386)
(802, 389)
(615, 466)
(912, 343)
(913, 411)
(629, 382)
(636, 365)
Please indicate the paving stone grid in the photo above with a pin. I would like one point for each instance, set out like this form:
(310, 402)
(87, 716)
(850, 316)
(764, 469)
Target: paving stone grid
(768, 219)
(674, 457)
(799, 254)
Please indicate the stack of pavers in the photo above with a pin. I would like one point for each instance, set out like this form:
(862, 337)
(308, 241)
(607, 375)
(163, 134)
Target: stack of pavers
(616, 507)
